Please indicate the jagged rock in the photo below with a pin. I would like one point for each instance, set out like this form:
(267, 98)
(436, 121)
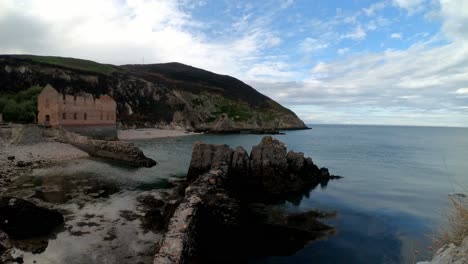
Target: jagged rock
(214, 223)
(22, 219)
(207, 156)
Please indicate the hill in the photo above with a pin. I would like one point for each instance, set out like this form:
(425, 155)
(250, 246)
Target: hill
(154, 95)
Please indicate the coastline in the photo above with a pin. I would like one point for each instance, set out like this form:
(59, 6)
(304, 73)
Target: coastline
(16, 160)
(151, 133)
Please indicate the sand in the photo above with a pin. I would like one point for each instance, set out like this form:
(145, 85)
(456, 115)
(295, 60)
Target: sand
(150, 133)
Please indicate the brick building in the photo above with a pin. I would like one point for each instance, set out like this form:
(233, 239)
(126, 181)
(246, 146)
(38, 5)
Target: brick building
(82, 114)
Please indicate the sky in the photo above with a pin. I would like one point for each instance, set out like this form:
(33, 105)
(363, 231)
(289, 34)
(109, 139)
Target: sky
(389, 62)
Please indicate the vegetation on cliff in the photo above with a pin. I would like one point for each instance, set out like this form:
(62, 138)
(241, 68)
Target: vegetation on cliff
(456, 228)
(154, 95)
(20, 107)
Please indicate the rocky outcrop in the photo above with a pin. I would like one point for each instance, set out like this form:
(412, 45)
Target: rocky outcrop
(218, 219)
(207, 205)
(269, 170)
(22, 219)
(113, 150)
(451, 254)
(157, 95)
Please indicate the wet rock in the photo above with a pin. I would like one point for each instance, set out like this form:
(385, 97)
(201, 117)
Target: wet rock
(150, 201)
(22, 219)
(154, 220)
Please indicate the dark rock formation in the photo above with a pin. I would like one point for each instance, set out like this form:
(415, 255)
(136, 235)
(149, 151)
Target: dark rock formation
(162, 95)
(22, 219)
(114, 150)
(269, 170)
(206, 214)
(219, 218)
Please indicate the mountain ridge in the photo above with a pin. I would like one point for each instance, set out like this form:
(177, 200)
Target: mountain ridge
(165, 95)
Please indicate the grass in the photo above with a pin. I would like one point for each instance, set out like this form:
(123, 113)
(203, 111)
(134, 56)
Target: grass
(235, 110)
(72, 63)
(456, 228)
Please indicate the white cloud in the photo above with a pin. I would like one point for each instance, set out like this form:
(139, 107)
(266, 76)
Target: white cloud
(342, 51)
(411, 6)
(357, 34)
(372, 9)
(462, 91)
(311, 44)
(396, 36)
(126, 31)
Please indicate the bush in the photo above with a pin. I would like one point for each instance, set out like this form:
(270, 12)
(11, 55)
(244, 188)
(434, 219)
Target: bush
(20, 107)
(456, 228)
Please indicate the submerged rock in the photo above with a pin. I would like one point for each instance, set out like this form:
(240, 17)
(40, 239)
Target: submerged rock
(22, 219)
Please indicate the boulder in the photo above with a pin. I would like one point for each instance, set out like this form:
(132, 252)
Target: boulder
(22, 219)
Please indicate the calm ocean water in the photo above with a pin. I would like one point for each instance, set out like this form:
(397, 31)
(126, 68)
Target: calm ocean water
(391, 200)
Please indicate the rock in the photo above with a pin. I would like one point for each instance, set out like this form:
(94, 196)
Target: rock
(269, 164)
(11, 157)
(154, 220)
(22, 164)
(213, 221)
(150, 201)
(451, 254)
(4, 242)
(22, 219)
(207, 156)
(113, 150)
(240, 164)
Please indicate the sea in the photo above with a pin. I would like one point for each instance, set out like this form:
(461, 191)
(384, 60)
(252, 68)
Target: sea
(393, 198)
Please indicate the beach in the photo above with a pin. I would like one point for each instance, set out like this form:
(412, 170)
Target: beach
(151, 133)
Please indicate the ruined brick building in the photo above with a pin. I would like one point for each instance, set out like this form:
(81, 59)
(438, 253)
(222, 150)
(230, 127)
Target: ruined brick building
(83, 114)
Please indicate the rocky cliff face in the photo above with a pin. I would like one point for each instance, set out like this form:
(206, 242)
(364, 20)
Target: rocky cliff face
(158, 95)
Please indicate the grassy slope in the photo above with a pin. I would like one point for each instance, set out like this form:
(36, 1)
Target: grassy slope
(71, 63)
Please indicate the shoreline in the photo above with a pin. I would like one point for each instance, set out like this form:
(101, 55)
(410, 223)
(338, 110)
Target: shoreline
(17, 160)
(151, 133)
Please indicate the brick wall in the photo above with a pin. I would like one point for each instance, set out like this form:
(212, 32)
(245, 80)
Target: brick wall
(67, 110)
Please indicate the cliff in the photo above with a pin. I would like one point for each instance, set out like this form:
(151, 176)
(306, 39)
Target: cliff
(154, 95)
